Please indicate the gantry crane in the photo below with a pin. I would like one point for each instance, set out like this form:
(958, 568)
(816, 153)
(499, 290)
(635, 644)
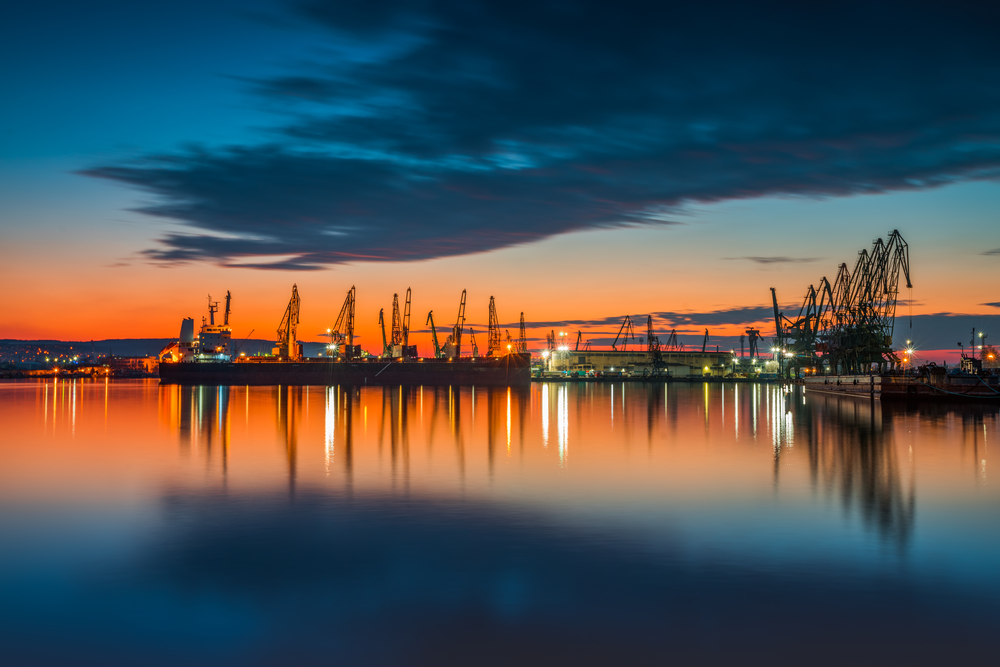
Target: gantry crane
(287, 347)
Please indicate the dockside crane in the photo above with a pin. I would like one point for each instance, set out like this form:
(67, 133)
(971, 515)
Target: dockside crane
(653, 344)
(753, 335)
(629, 332)
(397, 323)
(229, 298)
(704, 343)
(287, 347)
(438, 352)
(493, 342)
(342, 333)
(579, 338)
(453, 346)
(475, 348)
(522, 341)
(386, 349)
(847, 325)
(406, 321)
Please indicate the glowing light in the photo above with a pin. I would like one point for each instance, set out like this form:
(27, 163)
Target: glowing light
(545, 354)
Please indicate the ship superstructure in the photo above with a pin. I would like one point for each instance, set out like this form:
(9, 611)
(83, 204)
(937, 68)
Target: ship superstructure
(213, 343)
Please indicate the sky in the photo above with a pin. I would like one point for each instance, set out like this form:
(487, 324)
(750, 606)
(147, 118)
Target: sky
(577, 161)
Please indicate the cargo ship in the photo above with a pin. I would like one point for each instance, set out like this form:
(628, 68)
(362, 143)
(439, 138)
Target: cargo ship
(208, 358)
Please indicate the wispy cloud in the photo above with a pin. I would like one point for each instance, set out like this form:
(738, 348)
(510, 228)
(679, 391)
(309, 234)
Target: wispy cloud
(995, 251)
(776, 260)
(437, 129)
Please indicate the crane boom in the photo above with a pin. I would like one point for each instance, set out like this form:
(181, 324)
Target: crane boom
(522, 341)
(456, 335)
(229, 298)
(493, 346)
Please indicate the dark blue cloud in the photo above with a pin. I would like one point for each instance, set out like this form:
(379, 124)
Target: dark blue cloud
(433, 129)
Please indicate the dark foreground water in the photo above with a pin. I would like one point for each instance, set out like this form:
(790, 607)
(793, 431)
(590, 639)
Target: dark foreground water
(587, 525)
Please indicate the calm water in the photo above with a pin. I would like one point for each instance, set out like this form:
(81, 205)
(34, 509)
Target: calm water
(598, 524)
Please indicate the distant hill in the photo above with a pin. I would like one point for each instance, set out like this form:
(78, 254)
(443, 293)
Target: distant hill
(145, 347)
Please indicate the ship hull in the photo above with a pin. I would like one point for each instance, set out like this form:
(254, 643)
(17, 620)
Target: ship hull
(512, 370)
(931, 387)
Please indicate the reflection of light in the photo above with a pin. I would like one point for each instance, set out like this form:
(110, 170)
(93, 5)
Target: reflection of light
(331, 424)
(508, 419)
(563, 422)
(545, 415)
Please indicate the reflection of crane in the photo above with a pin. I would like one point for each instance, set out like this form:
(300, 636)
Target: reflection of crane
(628, 331)
(342, 334)
(287, 347)
(438, 352)
(386, 350)
(229, 298)
(493, 348)
(704, 343)
(522, 341)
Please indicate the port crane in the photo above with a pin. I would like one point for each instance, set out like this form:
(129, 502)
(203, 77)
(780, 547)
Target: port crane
(406, 322)
(704, 343)
(438, 352)
(493, 344)
(850, 320)
(628, 331)
(522, 341)
(653, 344)
(287, 346)
(475, 348)
(386, 348)
(342, 333)
(453, 346)
(397, 323)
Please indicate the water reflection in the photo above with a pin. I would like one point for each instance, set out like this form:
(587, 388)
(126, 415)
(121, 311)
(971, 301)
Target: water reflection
(596, 524)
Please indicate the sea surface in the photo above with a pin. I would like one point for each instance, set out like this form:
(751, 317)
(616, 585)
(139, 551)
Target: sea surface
(565, 524)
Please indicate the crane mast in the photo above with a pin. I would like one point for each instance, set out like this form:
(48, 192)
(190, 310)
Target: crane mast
(522, 341)
(229, 298)
(453, 346)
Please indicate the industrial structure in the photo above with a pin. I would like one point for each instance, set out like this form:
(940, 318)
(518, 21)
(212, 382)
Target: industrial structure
(846, 327)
